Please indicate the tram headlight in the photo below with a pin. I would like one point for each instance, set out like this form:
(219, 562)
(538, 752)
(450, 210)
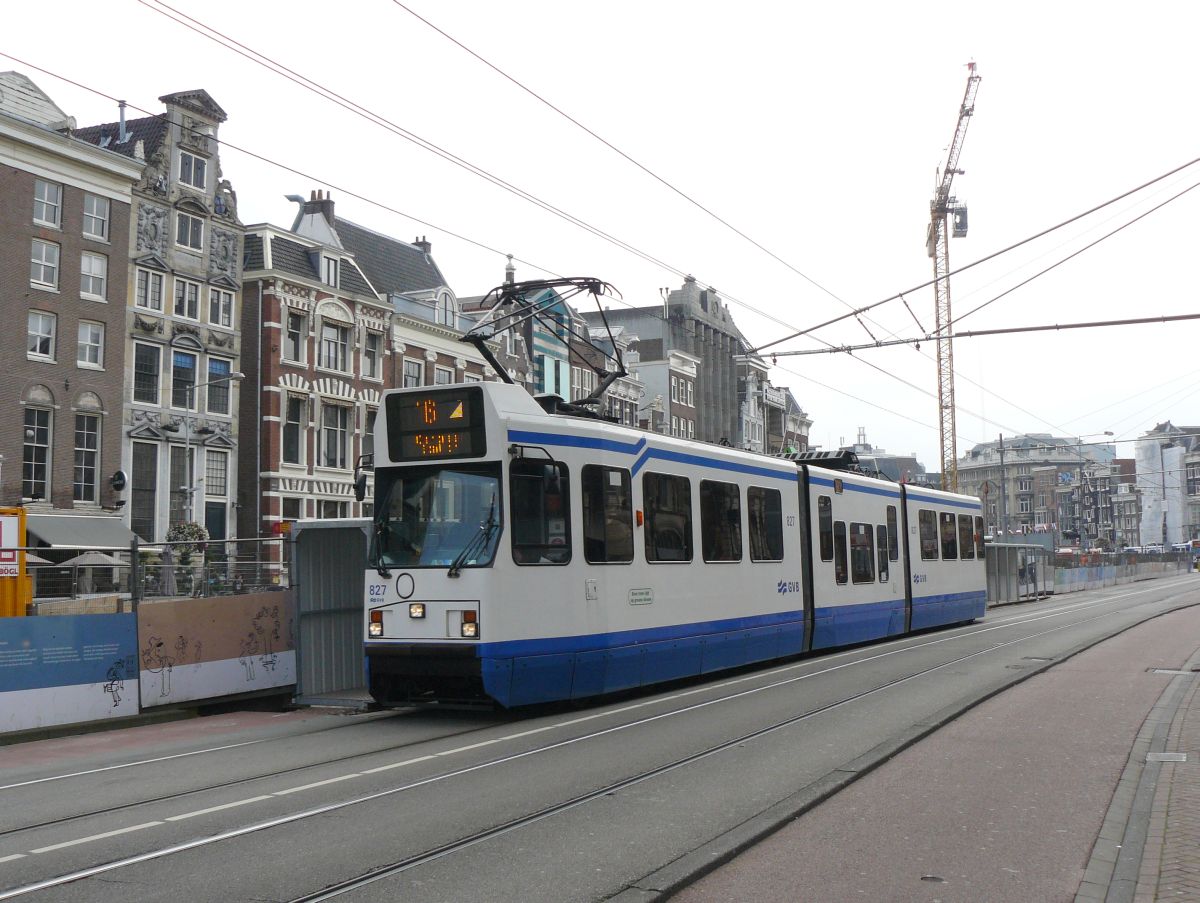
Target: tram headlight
(375, 627)
(470, 625)
(416, 609)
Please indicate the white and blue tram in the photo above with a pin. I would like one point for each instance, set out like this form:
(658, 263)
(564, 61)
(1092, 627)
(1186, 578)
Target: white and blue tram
(525, 557)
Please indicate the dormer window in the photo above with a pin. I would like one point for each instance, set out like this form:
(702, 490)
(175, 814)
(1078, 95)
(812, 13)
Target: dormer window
(329, 270)
(193, 170)
(446, 314)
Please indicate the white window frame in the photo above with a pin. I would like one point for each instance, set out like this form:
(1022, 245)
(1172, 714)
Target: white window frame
(189, 292)
(301, 343)
(189, 231)
(445, 313)
(90, 353)
(188, 395)
(690, 398)
(219, 385)
(93, 276)
(149, 284)
(30, 442)
(372, 354)
(158, 369)
(193, 171)
(44, 266)
(220, 307)
(87, 459)
(47, 333)
(47, 203)
(96, 213)
(336, 347)
(339, 432)
(300, 425)
(443, 376)
(674, 387)
(330, 271)
(420, 373)
(216, 474)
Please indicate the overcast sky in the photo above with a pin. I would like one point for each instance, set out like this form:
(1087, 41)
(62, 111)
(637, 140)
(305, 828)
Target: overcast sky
(815, 129)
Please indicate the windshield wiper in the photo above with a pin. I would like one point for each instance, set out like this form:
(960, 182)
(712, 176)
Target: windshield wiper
(381, 532)
(478, 542)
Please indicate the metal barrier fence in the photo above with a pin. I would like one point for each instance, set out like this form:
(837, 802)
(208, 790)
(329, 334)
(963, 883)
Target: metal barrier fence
(159, 570)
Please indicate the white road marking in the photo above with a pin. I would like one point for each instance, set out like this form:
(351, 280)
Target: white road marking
(400, 764)
(234, 805)
(72, 843)
(12, 857)
(344, 777)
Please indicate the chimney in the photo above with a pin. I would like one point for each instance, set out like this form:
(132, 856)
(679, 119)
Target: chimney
(423, 244)
(319, 202)
(510, 272)
(122, 135)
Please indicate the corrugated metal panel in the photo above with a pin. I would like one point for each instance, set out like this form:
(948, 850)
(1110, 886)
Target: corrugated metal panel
(329, 565)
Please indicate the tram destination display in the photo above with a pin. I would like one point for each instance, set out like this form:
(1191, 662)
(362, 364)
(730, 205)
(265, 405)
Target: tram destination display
(435, 424)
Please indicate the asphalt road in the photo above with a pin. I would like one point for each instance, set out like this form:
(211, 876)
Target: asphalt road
(629, 799)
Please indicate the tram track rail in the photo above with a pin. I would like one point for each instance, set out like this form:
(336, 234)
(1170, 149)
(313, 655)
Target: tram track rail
(407, 863)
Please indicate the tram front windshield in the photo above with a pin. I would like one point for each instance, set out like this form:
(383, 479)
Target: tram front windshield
(428, 516)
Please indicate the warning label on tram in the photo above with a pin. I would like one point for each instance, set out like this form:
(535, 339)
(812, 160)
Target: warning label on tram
(641, 596)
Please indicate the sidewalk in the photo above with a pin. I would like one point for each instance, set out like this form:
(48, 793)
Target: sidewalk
(1080, 784)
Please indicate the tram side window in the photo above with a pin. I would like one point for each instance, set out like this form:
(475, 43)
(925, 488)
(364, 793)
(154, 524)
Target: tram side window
(839, 547)
(862, 553)
(668, 502)
(607, 514)
(541, 514)
(949, 537)
(720, 521)
(927, 522)
(883, 537)
(765, 510)
(966, 542)
(979, 538)
(825, 526)
(893, 533)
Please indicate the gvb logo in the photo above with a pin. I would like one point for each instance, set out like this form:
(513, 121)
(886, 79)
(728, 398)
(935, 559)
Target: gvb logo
(787, 586)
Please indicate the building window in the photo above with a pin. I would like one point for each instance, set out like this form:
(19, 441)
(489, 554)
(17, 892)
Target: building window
(445, 310)
(691, 398)
(293, 343)
(216, 474)
(368, 436)
(192, 170)
(143, 488)
(293, 429)
(291, 509)
(35, 459)
(47, 203)
(674, 388)
(40, 336)
(189, 231)
(332, 510)
(183, 380)
(218, 385)
(187, 299)
(329, 270)
(149, 290)
(87, 457)
(413, 371)
(95, 217)
(93, 275)
(220, 307)
(91, 344)
(43, 264)
(335, 428)
(335, 342)
(442, 376)
(146, 360)
(370, 367)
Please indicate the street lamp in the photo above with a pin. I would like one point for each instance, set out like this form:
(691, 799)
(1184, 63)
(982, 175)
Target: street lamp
(189, 487)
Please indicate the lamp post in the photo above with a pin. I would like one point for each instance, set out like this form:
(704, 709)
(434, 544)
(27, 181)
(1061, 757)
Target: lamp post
(189, 486)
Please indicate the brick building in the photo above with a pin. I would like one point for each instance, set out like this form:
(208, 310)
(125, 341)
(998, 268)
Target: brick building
(64, 249)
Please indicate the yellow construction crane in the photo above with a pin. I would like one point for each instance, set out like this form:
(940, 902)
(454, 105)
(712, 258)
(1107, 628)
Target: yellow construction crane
(940, 208)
